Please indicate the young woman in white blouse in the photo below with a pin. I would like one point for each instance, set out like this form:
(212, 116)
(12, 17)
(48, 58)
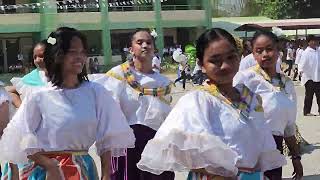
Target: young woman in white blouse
(144, 97)
(278, 97)
(216, 132)
(54, 127)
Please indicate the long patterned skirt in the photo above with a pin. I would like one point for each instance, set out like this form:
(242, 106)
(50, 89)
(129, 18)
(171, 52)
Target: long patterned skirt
(71, 166)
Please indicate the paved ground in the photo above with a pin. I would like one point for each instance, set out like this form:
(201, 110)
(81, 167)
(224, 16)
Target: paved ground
(309, 128)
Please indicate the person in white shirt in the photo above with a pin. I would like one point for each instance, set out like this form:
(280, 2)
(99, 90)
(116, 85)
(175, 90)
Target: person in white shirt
(247, 48)
(309, 66)
(249, 61)
(144, 97)
(278, 97)
(299, 52)
(156, 62)
(197, 75)
(289, 59)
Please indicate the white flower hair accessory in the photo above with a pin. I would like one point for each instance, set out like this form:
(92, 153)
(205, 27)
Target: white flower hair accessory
(153, 33)
(52, 40)
(277, 31)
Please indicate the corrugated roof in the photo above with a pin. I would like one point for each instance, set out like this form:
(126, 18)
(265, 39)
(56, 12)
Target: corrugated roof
(285, 24)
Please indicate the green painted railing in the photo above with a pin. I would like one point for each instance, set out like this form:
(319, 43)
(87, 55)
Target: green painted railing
(111, 9)
(150, 8)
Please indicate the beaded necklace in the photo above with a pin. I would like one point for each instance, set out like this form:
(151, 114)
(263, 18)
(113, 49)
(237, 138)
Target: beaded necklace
(131, 80)
(280, 87)
(243, 108)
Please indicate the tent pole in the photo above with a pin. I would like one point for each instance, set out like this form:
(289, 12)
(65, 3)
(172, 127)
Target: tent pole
(306, 31)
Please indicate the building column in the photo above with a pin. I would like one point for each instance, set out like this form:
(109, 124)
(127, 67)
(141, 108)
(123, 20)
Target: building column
(5, 55)
(159, 29)
(48, 17)
(207, 6)
(106, 32)
(191, 4)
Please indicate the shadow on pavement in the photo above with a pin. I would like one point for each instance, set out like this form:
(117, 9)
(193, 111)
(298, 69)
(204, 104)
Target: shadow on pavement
(311, 177)
(308, 149)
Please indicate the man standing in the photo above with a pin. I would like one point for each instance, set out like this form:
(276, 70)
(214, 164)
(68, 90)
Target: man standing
(299, 52)
(309, 65)
(156, 62)
(290, 59)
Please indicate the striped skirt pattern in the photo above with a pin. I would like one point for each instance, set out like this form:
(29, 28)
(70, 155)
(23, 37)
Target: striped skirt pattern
(200, 176)
(242, 176)
(71, 166)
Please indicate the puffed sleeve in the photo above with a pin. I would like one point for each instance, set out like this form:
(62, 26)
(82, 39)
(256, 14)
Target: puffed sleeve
(290, 129)
(19, 138)
(246, 77)
(184, 141)
(113, 132)
(270, 157)
(110, 81)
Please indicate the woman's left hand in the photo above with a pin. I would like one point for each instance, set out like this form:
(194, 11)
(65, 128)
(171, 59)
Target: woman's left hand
(298, 169)
(105, 178)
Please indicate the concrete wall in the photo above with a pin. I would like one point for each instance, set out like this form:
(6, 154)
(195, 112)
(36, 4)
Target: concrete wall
(171, 32)
(183, 15)
(18, 19)
(133, 16)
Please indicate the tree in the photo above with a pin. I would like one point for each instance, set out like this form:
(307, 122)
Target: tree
(276, 9)
(286, 9)
(250, 8)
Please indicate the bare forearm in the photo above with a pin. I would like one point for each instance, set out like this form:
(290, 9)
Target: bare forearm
(211, 176)
(16, 100)
(105, 165)
(42, 161)
(4, 116)
(51, 167)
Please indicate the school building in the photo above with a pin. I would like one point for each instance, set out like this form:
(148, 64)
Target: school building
(106, 23)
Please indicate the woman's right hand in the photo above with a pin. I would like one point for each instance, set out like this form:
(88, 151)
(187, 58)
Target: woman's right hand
(50, 165)
(53, 173)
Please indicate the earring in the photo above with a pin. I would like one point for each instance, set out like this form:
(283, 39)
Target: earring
(203, 70)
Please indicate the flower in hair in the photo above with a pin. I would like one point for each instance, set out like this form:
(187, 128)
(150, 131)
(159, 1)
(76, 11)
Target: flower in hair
(277, 31)
(52, 40)
(153, 33)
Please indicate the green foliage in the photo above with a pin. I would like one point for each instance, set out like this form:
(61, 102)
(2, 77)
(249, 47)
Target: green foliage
(251, 8)
(278, 9)
(190, 51)
(168, 65)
